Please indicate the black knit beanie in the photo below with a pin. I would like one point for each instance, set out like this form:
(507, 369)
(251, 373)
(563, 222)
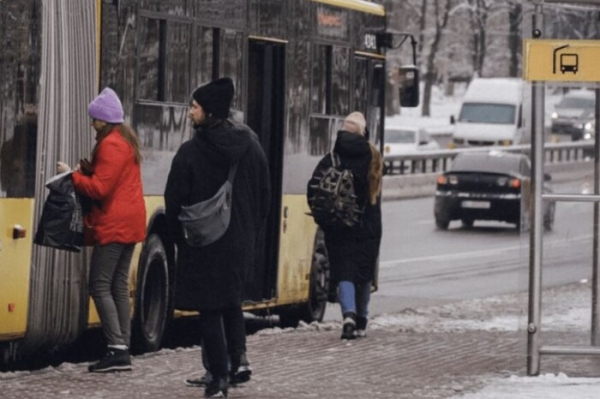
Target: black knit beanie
(215, 97)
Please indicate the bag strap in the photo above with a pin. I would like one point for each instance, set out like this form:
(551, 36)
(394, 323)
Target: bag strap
(335, 159)
(232, 171)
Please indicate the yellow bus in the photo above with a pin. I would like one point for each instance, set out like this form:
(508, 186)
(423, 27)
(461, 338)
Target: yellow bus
(299, 67)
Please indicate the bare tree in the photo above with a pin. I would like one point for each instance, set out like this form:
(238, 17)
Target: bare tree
(515, 21)
(441, 16)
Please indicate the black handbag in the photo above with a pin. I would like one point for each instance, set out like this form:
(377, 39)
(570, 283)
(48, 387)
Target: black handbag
(61, 223)
(206, 221)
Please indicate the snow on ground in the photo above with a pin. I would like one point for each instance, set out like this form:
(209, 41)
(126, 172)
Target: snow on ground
(564, 308)
(546, 386)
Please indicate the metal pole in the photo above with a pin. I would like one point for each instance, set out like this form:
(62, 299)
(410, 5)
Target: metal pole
(595, 279)
(536, 228)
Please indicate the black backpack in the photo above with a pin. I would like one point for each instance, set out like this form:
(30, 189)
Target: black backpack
(332, 198)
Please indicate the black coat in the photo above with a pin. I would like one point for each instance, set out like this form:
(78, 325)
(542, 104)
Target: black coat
(212, 277)
(353, 251)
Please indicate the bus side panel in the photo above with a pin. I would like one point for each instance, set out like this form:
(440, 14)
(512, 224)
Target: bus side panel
(295, 256)
(15, 254)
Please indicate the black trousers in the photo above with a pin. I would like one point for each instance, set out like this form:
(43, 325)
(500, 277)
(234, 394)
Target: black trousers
(223, 339)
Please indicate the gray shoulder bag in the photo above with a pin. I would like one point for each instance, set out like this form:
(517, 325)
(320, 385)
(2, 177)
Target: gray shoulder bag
(205, 222)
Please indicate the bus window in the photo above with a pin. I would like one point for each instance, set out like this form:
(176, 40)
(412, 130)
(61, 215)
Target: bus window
(164, 61)
(148, 60)
(177, 84)
(340, 81)
(231, 54)
(204, 51)
(17, 156)
(368, 77)
(319, 135)
(361, 98)
(330, 80)
(320, 79)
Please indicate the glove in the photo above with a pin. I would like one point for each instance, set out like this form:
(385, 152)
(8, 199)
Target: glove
(86, 167)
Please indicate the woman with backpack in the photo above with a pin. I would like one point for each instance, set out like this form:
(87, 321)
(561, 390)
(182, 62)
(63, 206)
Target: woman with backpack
(353, 246)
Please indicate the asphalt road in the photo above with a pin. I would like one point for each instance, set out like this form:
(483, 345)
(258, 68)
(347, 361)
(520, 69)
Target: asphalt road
(422, 265)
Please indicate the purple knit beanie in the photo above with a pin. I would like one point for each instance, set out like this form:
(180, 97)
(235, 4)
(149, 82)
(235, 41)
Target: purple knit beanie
(107, 107)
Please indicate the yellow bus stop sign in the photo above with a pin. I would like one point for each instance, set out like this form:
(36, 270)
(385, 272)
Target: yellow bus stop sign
(561, 60)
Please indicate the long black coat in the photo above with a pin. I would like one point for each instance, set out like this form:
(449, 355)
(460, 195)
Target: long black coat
(353, 251)
(212, 277)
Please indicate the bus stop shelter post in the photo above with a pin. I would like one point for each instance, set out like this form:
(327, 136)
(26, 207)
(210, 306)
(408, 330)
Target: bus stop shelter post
(536, 228)
(595, 278)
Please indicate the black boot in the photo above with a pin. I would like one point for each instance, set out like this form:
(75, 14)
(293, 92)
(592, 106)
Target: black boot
(217, 388)
(349, 326)
(242, 372)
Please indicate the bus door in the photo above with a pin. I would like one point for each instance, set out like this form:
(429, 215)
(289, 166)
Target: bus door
(265, 115)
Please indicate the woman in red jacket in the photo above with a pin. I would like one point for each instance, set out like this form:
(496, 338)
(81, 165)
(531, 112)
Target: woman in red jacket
(118, 221)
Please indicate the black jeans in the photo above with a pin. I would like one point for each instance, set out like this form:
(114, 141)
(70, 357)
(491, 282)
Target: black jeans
(223, 339)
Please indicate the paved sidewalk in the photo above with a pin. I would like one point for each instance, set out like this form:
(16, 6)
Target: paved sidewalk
(436, 352)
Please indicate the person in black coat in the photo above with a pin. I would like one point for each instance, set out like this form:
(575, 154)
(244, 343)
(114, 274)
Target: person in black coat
(210, 279)
(353, 251)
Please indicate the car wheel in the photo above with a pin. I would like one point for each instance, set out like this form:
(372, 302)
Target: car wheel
(442, 224)
(467, 222)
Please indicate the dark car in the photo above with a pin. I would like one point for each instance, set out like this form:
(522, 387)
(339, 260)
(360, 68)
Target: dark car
(574, 114)
(487, 186)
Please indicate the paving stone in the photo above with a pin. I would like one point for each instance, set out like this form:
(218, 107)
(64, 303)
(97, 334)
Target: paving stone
(391, 363)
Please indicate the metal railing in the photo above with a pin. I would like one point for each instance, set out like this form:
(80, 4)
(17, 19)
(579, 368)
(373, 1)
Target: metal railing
(439, 161)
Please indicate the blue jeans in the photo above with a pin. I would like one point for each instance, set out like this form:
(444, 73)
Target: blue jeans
(109, 273)
(355, 297)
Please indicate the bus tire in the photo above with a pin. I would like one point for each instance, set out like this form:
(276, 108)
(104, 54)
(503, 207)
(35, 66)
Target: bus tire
(314, 308)
(152, 297)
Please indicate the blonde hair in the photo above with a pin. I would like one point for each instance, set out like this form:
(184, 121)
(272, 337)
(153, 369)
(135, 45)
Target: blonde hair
(375, 174)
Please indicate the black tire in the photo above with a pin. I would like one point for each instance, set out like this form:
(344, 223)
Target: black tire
(152, 297)
(314, 309)
(442, 224)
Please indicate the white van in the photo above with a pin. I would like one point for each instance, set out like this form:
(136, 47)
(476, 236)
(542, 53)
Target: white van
(492, 113)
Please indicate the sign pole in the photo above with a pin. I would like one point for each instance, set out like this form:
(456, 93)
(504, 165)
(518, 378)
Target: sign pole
(595, 279)
(536, 227)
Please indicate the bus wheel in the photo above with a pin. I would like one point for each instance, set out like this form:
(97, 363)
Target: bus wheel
(314, 308)
(152, 297)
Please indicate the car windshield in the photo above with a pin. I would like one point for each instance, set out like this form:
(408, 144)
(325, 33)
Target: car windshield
(576, 102)
(489, 163)
(487, 113)
(400, 136)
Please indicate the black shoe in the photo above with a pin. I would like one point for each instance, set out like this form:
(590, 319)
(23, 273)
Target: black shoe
(349, 326)
(200, 382)
(361, 327)
(217, 388)
(114, 360)
(243, 373)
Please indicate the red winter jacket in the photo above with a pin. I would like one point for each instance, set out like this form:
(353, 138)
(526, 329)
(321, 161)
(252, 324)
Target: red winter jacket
(119, 213)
